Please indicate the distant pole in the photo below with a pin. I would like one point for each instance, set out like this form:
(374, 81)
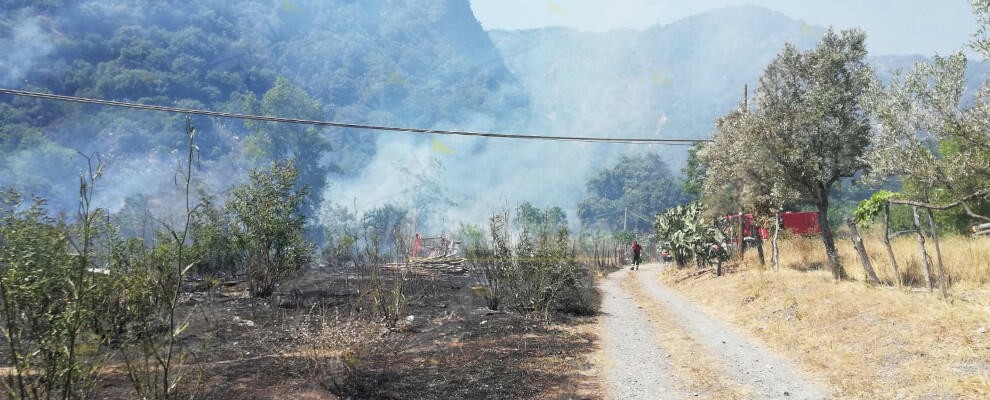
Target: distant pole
(745, 99)
(739, 234)
(625, 216)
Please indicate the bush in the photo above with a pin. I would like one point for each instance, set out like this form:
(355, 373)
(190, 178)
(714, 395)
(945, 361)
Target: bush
(546, 270)
(48, 289)
(538, 276)
(38, 306)
(268, 208)
(217, 241)
(493, 260)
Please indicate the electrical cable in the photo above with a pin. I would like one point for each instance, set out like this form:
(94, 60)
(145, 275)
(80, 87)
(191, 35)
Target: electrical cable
(138, 106)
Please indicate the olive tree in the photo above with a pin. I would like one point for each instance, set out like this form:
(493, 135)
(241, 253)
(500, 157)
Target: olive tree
(930, 134)
(926, 136)
(935, 140)
(809, 128)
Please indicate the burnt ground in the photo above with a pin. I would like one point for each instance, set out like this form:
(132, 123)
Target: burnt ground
(317, 338)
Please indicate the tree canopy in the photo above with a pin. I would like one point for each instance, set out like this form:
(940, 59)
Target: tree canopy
(634, 189)
(532, 218)
(809, 128)
(932, 139)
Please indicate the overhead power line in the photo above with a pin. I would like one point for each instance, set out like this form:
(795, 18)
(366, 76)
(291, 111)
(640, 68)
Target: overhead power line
(265, 118)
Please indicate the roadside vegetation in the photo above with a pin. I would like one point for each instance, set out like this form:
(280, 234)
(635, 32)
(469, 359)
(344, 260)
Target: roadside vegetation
(895, 289)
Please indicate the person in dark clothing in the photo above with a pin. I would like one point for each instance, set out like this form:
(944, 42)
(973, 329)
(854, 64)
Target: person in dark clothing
(636, 248)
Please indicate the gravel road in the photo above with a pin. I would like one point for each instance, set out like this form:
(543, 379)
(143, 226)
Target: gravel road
(637, 368)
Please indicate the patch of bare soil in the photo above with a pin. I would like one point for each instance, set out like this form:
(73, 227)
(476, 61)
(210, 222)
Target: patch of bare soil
(317, 338)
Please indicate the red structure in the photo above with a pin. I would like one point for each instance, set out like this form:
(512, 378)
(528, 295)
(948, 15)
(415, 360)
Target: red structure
(747, 226)
(799, 223)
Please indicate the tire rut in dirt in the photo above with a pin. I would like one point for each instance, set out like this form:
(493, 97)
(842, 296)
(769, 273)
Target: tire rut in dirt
(749, 363)
(636, 367)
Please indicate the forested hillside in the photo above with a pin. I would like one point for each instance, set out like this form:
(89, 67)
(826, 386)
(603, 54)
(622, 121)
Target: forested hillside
(383, 62)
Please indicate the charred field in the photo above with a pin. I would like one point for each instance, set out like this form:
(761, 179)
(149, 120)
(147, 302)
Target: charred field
(318, 337)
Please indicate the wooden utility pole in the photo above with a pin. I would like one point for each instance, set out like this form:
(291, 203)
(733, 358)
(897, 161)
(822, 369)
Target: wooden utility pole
(625, 216)
(745, 99)
(739, 235)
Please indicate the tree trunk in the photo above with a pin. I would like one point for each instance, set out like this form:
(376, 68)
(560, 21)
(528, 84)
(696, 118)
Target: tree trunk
(773, 243)
(739, 237)
(942, 278)
(755, 231)
(871, 276)
(834, 263)
(886, 243)
(924, 253)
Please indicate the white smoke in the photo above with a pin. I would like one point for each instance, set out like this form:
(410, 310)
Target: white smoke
(28, 43)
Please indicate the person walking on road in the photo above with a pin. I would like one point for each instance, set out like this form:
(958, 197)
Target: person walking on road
(636, 248)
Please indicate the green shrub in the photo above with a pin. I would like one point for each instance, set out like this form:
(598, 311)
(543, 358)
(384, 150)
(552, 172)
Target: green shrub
(268, 207)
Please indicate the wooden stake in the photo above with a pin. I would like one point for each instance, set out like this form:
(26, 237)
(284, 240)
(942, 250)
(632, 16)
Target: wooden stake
(886, 243)
(776, 250)
(924, 253)
(938, 255)
(871, 276)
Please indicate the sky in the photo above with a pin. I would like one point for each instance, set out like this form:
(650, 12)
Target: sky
(922, 27)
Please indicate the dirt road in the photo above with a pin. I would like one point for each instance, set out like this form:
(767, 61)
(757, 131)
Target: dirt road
(658, 345)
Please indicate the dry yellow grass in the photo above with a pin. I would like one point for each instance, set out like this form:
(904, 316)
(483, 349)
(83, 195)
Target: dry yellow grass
(966, 259)
(868, 342)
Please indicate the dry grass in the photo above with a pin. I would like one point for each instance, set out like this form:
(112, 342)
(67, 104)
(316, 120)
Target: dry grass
(868, 342)
(967, 260)
(696, 368)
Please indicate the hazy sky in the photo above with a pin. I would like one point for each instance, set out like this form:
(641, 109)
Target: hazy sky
(892, 26)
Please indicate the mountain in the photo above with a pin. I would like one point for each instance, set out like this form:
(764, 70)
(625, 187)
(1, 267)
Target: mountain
(668, 81)
(425, 63)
